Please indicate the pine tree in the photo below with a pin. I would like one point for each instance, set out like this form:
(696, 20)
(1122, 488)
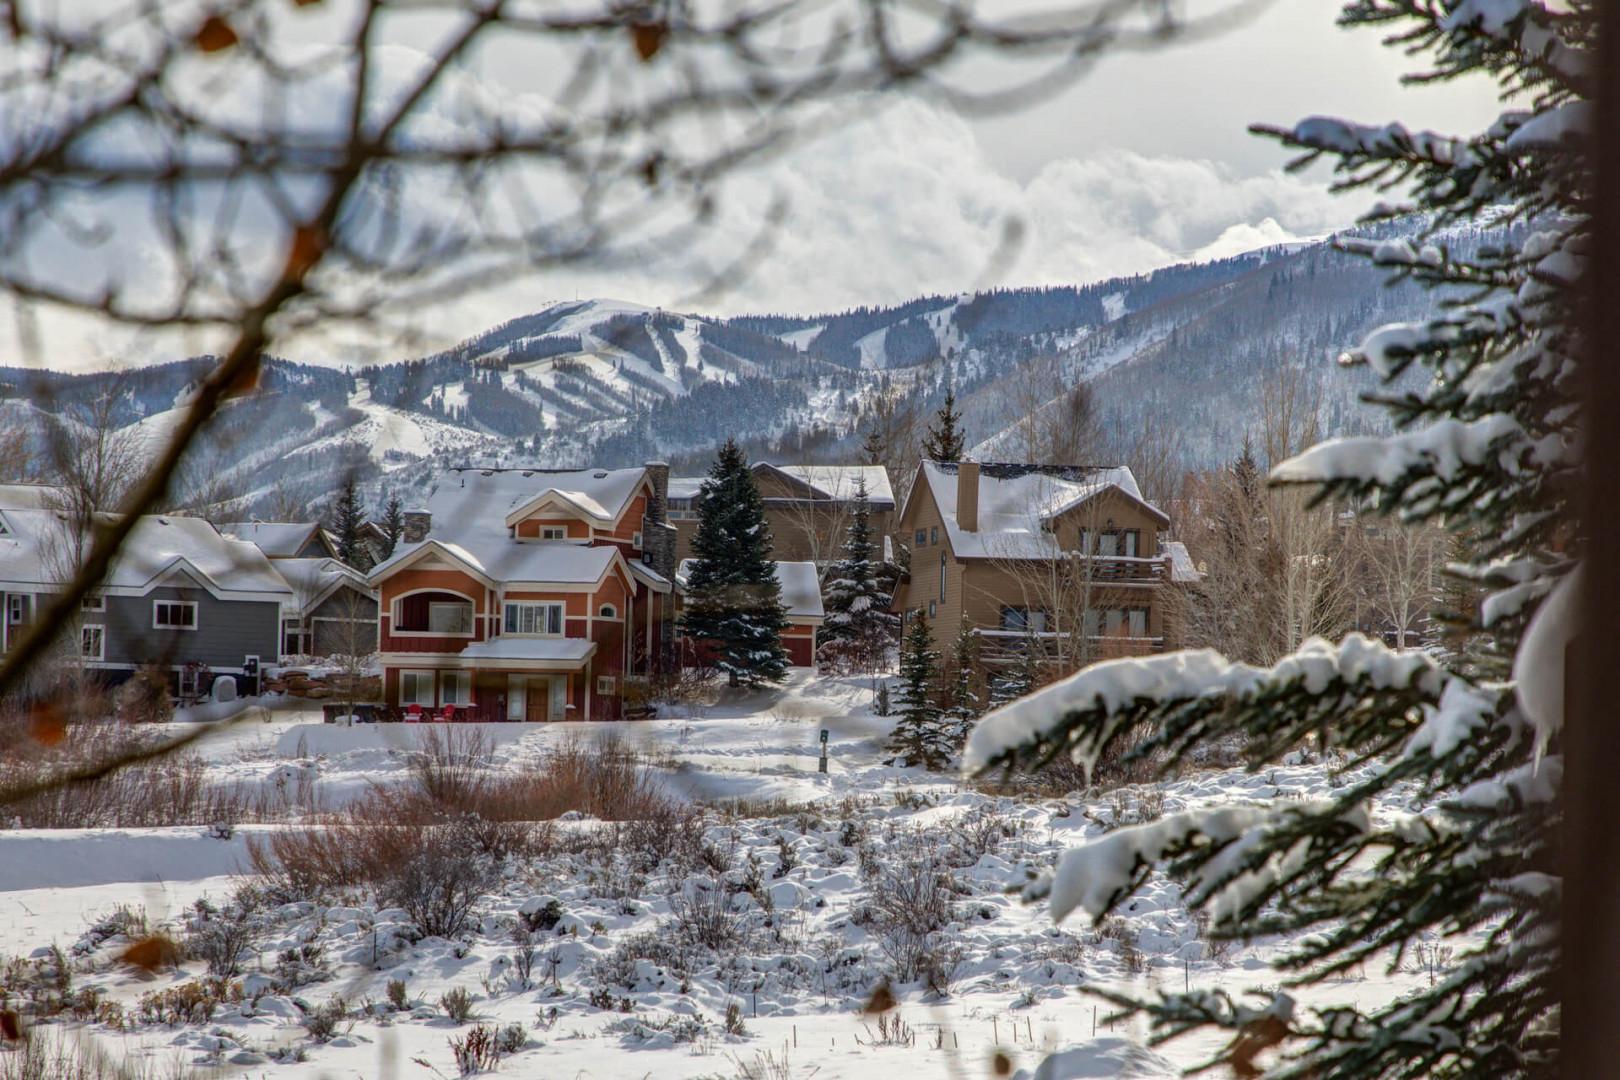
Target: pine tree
(882, 707)
(856, 594)
(1486, 441)
(1021, 679)
(733, 597)
(348, 516)
(920, 735)
(393, 525)
(944, 441)
(963, 704)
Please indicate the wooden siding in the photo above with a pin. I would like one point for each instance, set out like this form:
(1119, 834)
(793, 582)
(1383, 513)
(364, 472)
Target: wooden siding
(227, 631)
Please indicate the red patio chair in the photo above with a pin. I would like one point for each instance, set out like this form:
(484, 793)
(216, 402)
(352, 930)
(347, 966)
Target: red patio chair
(448, 716)
(413, 714)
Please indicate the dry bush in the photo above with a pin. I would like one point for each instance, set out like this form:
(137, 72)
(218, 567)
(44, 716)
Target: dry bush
(63, 1055)
(144, 697)
(439, 885)
(909, 903)
(451, 765)
(477, 1051)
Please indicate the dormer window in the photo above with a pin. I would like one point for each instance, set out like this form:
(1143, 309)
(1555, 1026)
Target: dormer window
(553, 532)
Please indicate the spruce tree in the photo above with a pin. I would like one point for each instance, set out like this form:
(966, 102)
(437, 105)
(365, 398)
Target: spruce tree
(347, 518)
(393, 525)
(733, 598)
(1486, 442)
(920, 736)
(856, 594)
(963, 704)
(944, 440)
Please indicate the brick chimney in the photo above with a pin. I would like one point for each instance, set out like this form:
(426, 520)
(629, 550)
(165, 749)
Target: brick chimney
(418, 523)
(967, 496)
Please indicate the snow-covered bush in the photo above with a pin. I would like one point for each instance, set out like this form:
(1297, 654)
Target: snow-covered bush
(439, 884)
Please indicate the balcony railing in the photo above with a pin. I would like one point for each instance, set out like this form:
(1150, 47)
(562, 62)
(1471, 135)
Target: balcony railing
(1010, 646)
(1118, 569)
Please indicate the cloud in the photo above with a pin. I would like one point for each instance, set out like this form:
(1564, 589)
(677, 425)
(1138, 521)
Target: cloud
(899, 203)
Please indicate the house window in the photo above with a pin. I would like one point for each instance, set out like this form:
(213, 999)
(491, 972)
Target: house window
(609, 612)
(1137, 622)
(1023, 620)
(93, 602)
(1132, 539)
(455, 688)
(607, 684)
(921, 537)
(545, 619)
(416, 688)
(450, 617)
(942, 577)
(93, 642)
(933, 609)
(933, 535)
(16, 608)
(174, 615)
(635, 540)
(553, 532)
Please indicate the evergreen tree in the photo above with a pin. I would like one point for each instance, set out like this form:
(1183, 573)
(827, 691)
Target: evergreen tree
(963, 704)
(882, 707)
(873, 448)
(944, 441)
(733, 598)
(856, 593)
(393, 525)
(920, 735)
(1021, 679)
(347, 518)
(1486, 441)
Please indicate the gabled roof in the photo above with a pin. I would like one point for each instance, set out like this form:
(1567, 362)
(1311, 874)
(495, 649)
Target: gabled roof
(278, 539)
(36, 552)
(313, 580)
(801, 587)
(487, 500)
(1016, 500)
(506, 560)
(836, 481)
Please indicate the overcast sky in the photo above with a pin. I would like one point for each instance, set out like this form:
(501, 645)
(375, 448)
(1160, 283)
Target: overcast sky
(1144, 162)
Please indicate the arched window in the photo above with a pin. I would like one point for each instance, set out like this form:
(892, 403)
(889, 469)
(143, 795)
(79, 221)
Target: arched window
(609, 612)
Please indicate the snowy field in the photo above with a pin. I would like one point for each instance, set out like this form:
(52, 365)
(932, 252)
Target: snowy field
(785, 917)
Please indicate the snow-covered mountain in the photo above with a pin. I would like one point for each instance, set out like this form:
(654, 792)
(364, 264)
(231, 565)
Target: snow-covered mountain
(609, 382)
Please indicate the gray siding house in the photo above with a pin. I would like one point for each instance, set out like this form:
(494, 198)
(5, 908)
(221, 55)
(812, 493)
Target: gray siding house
(179, 596)
(333, 611)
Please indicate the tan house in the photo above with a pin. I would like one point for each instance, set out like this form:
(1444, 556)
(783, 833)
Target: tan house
(1066, 558)
(808, 507)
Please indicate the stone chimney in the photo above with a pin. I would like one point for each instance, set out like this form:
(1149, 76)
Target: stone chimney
(418, 523)
(657, 534)
(967, 496)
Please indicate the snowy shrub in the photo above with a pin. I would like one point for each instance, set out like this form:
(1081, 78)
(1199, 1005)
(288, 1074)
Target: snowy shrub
(439, 883)
(734, 1020)
(701, 914)
(908, 903)
(221, 939)
(477, 1051)
(397, 996)
(457, 1004)
(322, 1021)
(512, 1038)
(451, 764)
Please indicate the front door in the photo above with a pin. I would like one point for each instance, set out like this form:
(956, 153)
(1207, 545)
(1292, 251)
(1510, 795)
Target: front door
(539, 696)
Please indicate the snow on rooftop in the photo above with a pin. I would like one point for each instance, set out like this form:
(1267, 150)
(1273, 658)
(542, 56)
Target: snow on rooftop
(513, 647)
(840, 481)
(1016, 500)
(277, 539)
(311, 579)
(500, 558)
(36, 546)
(1182, 568)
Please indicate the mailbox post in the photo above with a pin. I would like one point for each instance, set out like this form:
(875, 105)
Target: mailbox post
(822, 765)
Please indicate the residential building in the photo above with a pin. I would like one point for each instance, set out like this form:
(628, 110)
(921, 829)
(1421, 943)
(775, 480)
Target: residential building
(178, 596)
(807, 507)
(801, 596)
(285, 539)
(333, 611)
(1067, 558)
(529, 594)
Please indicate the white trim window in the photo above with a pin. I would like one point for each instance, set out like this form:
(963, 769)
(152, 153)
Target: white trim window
(93, 642)
(607, 685)
(174, 614)
(533, 618)
(16, 608)
(608, 611)
(455, 688)
(450, 617)
(635, 540)
(93, 602)
(416, 688)
(553, 532)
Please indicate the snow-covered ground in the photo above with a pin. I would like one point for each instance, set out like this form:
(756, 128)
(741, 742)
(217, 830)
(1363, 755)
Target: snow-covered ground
(793, 890)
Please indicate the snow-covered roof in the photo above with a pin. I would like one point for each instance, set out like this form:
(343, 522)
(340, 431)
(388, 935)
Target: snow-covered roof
(839, 481)
(30, 496)
(35, 551)
(313, 580)
(1182, 568)
(1016, 500)
(684, 487)
(500, 558)
(512, 647)
(483, 499)
(277, 539)
(801, 587)
(471, 508)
